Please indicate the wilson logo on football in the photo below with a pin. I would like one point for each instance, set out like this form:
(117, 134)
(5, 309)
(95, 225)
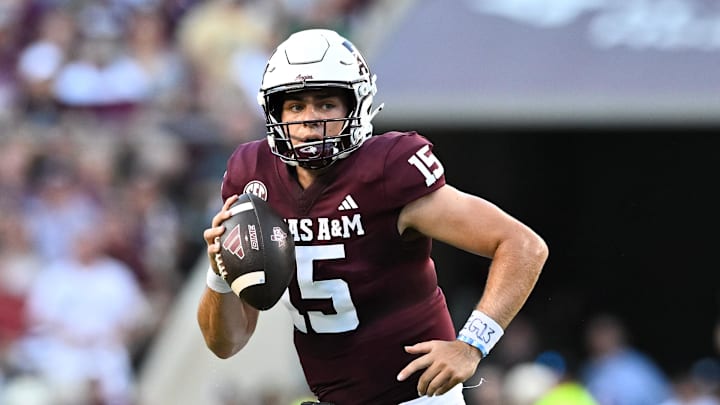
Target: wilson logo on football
(278, 236)
(233, 243)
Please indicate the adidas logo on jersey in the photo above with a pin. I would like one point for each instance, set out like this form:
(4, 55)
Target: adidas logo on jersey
(345, 226)
(348, 204)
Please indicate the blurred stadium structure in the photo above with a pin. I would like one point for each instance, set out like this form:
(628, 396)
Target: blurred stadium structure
(529, 62)
(523, 98)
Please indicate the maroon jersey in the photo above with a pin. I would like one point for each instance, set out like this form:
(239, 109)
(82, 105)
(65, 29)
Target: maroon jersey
(362, 292)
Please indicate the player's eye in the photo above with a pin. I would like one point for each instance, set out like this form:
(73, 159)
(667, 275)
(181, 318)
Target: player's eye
(294, 107)
(330, 103)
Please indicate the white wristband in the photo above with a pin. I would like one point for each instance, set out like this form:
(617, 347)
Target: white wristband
(216, 283)
(481, 331)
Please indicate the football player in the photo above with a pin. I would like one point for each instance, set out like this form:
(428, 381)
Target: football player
(371, 324)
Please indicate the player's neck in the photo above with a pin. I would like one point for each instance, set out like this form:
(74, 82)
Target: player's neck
(306, 177)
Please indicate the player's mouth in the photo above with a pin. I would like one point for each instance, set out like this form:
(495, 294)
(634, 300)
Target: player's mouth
(319, 149)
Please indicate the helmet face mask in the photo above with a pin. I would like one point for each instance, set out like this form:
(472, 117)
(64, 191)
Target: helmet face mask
(314, 60)
(316, 154)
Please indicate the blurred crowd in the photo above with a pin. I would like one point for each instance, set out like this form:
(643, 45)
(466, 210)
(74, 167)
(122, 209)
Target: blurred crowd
(116, 119)
(610, 370)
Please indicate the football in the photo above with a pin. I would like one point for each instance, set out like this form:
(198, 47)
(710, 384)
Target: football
(257, 252)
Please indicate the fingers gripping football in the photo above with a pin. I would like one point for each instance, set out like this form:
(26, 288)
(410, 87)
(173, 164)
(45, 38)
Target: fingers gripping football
(212, 235)
(255, 254)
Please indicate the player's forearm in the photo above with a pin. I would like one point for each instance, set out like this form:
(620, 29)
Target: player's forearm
(514, 271)
(226, 322)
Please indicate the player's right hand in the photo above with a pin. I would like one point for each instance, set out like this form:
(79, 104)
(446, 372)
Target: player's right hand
(442, 365)
(212, 234)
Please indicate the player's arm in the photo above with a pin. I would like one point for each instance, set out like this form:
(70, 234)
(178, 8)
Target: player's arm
(475, 225)
(226, 321)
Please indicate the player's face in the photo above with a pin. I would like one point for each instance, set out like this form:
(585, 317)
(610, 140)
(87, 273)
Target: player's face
(314, 105)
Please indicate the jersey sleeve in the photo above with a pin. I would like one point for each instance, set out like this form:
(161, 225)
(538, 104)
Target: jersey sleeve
(411, 169)
(241, 163)
(227, 188)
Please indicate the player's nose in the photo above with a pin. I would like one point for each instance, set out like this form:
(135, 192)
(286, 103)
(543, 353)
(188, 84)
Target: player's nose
(310, 116)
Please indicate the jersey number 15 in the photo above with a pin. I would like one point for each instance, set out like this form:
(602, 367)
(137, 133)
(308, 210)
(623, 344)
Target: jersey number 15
(345, 319)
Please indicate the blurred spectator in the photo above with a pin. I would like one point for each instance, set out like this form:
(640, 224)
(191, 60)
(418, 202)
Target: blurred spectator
(615, 372)
(151, 223)
(149, 47)
(97, 158)
(485, 387)
(58, 211)
(247, 65)
(18, 259)
(105, 18)
(698, 386)
(84, 319)
(10, 33)
(223, 40)
(160, 225)
(27, 390)
(567, 393)
(568, 390)
(39, 63)
(108, 73)
(124, 241)
(100, 78)
(526, 383)
(520, 344)
(688, 391)
(337, 15)
(706, 375)
(214, 30)
(17, 153)
(19, 265)
(155, 150)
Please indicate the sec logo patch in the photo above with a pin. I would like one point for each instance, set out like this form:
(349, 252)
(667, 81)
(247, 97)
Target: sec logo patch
(258, 188)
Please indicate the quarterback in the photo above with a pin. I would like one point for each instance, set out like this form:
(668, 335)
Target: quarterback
(371, 325)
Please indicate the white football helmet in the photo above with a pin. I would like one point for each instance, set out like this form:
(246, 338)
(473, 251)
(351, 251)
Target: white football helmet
(311, 59)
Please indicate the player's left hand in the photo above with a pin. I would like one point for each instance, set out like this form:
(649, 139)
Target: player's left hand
(446, 364)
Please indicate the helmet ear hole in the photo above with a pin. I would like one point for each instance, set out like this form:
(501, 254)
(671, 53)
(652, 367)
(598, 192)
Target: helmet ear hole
(275, 104)
(350, 102)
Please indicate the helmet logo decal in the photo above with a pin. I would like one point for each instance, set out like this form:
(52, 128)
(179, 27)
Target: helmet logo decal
(349, 46)
(302, 78)
(362, 69)
(256, 187)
